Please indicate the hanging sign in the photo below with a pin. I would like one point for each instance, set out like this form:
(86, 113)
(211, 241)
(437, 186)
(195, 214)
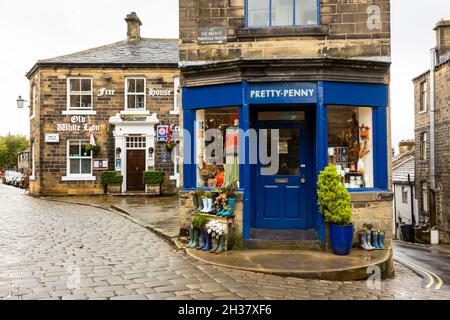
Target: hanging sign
(162, 133)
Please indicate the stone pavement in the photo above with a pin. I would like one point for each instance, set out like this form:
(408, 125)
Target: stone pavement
(156, 213)
(45, 246)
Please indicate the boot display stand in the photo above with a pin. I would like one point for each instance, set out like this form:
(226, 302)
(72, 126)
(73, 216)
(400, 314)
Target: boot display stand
(228, 223)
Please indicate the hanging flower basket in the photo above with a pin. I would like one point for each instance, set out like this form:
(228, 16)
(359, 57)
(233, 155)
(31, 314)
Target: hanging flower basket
(170, 145)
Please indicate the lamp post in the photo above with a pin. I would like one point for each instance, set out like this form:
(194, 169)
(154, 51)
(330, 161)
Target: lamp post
(21, 102)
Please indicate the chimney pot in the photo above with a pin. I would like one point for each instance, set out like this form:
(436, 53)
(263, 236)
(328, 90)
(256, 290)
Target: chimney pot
(133, 28)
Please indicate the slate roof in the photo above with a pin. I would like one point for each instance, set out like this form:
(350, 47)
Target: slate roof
(400, 171)
(147, 51)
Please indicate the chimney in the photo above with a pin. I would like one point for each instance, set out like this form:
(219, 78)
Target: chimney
(134, 28)
(442, 40)
(406, 146)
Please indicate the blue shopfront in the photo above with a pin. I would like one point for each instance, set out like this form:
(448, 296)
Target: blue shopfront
(315, 123)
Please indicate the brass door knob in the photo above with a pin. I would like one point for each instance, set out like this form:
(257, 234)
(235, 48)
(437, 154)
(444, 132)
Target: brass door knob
(302, 180)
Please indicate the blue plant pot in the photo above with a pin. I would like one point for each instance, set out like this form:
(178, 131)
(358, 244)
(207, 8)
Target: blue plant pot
(341, 239)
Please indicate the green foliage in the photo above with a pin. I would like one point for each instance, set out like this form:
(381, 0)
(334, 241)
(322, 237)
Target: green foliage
(153, 177)
(231, 190)
(110, 178)
(199, 221)
(95, 149)
(10, 146)
(334, 199)
(208, 194)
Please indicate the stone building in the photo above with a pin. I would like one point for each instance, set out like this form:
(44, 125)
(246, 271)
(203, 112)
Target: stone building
(432, 134)
(318, 71)
(120, 92)
(23, 161)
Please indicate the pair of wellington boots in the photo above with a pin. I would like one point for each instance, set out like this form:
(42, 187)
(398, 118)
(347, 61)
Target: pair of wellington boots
(371, 240)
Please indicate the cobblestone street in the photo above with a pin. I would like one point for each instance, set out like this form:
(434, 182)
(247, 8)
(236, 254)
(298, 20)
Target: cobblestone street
(42, 245)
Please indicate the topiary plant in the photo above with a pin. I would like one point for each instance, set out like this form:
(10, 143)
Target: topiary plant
(109, 178)
(153, 177)
(334, 200)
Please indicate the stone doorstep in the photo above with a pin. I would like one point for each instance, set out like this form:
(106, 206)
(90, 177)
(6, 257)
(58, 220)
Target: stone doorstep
(351, 268)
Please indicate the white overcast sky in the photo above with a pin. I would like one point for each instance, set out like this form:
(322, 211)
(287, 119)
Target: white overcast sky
(32, 30)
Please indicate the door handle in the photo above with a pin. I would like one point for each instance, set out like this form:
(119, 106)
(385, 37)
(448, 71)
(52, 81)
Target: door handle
(302, 180)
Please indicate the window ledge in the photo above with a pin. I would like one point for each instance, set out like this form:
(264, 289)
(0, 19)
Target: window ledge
(32, 117)
(79, 112)
(175, 112)
(79, 178)
(423, 111)
(282, 31)
(135, 112)
(32, 178)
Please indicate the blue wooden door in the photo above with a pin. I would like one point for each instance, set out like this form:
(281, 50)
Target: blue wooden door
(282, 194)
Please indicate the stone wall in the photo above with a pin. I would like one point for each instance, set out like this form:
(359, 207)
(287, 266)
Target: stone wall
(50, 158)
(348, 28)
(442, 134)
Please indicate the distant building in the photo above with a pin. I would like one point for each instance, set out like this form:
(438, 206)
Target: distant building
(23, 161)
(403, 180)
(432, 135)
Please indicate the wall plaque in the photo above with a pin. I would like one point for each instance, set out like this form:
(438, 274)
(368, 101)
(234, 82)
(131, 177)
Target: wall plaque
(212, 35)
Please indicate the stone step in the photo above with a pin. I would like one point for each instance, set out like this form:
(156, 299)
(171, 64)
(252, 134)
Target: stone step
(283, 235)
(311, 245)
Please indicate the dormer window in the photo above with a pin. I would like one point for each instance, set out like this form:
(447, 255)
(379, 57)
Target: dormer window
(282, 13)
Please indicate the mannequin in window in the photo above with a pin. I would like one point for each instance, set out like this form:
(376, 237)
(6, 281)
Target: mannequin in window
(231, 153)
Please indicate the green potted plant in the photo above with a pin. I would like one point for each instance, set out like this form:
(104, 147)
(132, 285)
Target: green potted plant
(335, 205)
(111, 182)
(153, 181)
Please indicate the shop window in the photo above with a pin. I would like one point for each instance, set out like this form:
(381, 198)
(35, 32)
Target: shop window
(176, 96)
(135, 94)
(79, 161)
(423, 96)
(217, 157)
(423, 146)
(80, 94)
(404, 195)
(267, 13)
(350, 134)
(425, 206)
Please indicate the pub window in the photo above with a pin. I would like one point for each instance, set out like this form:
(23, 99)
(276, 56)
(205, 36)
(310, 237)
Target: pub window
(425, 207)
(278, 13)
(404, 195)
(423, 96)
(350, 145)
(78, 158)
(135, 98)
(423, 146)
(176, 96)
(80, 94)
(217, 133)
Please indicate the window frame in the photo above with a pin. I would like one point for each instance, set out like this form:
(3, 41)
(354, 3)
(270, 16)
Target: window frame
(246, 13)
(425, 197)
(176, 96)
(423, 148)
(78, 176)
(80, 111)
(33, 103)
(33, 163)
(135, 110)
(423, 92)
(404, 194)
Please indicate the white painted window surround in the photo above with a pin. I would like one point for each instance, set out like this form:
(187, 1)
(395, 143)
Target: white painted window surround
(81, 176)
(176, 96)
(80, 92)
(33, 164)
(135, 96)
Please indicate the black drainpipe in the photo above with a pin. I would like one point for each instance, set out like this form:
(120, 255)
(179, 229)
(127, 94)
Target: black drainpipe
(413, 217)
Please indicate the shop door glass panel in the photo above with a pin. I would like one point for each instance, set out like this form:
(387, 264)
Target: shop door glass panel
(281, 198)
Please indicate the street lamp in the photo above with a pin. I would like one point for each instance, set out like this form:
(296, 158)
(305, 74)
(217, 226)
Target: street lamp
(20, 102)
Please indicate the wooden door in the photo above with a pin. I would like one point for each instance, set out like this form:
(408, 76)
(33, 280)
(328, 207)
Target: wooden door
(135, 170)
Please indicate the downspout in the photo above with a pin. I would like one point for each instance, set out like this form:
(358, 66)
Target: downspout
(432, 121)
(413, 217)
(395, 211)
